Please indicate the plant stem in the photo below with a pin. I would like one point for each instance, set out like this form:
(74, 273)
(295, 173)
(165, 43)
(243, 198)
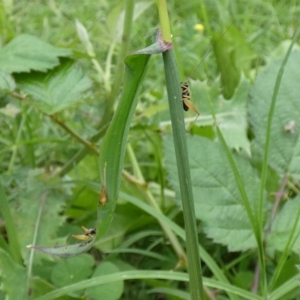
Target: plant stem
(179, 134)
(151, 200)
(164, 21)
(86, 143)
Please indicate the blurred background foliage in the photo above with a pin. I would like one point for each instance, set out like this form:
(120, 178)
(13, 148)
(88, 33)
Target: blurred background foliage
(221, 57)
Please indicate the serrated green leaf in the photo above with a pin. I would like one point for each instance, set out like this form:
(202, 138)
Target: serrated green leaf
(60, 88)
(71, 270)
(231, 114)
(7, 83)
(109, 291)
(284, 150)
(283, 226)
(14, 278)
(38, 208)
(27, 52)
(217, 199)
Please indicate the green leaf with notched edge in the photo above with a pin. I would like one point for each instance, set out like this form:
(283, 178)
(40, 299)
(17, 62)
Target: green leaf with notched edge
(26, 52)
(13, 277)
(284, 150)
(218, 201)
(56, 90)
(108, 291)
(231, 114)
(114, 143)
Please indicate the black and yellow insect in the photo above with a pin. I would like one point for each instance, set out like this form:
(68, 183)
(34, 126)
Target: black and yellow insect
(89, 234)
(185, 96)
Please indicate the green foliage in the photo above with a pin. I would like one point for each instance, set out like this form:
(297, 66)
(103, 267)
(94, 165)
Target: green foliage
(56, 90)
(111, 291)
(13, 277)
(217, 200)
(26, 52)
(284, 149)
(230, 63)
(77, 126)
(72, 270)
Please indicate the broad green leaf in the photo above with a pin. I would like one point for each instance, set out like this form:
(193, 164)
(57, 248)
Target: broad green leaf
(13, 277)
(283, 225)
(234, 56)
(231, 114)
(37, 213)
(71, 270)
(114, 144)
(285, 132)
(27, 52)
(56, 90)
(7, 83)
(217, 199)
(109, 291)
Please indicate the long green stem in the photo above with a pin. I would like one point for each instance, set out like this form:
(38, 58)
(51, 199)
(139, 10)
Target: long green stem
(15, 148)
(179, 135)
(164, 20)
(75, 135)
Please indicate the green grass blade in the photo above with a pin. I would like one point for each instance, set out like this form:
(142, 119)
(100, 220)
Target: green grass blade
(284, 289)
(207, 259)
(146, 274)
(179, 134)
(114, 144)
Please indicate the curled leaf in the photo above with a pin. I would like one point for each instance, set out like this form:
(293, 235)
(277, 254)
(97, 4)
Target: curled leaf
(66, 250)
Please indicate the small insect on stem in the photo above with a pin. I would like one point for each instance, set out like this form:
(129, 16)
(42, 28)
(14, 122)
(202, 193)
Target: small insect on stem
(186, 102)
(89, 234)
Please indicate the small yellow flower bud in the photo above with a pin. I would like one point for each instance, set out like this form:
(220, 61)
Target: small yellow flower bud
(199, 27)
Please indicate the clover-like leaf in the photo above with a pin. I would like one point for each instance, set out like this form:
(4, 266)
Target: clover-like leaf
(109, 291)
(71, 270)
